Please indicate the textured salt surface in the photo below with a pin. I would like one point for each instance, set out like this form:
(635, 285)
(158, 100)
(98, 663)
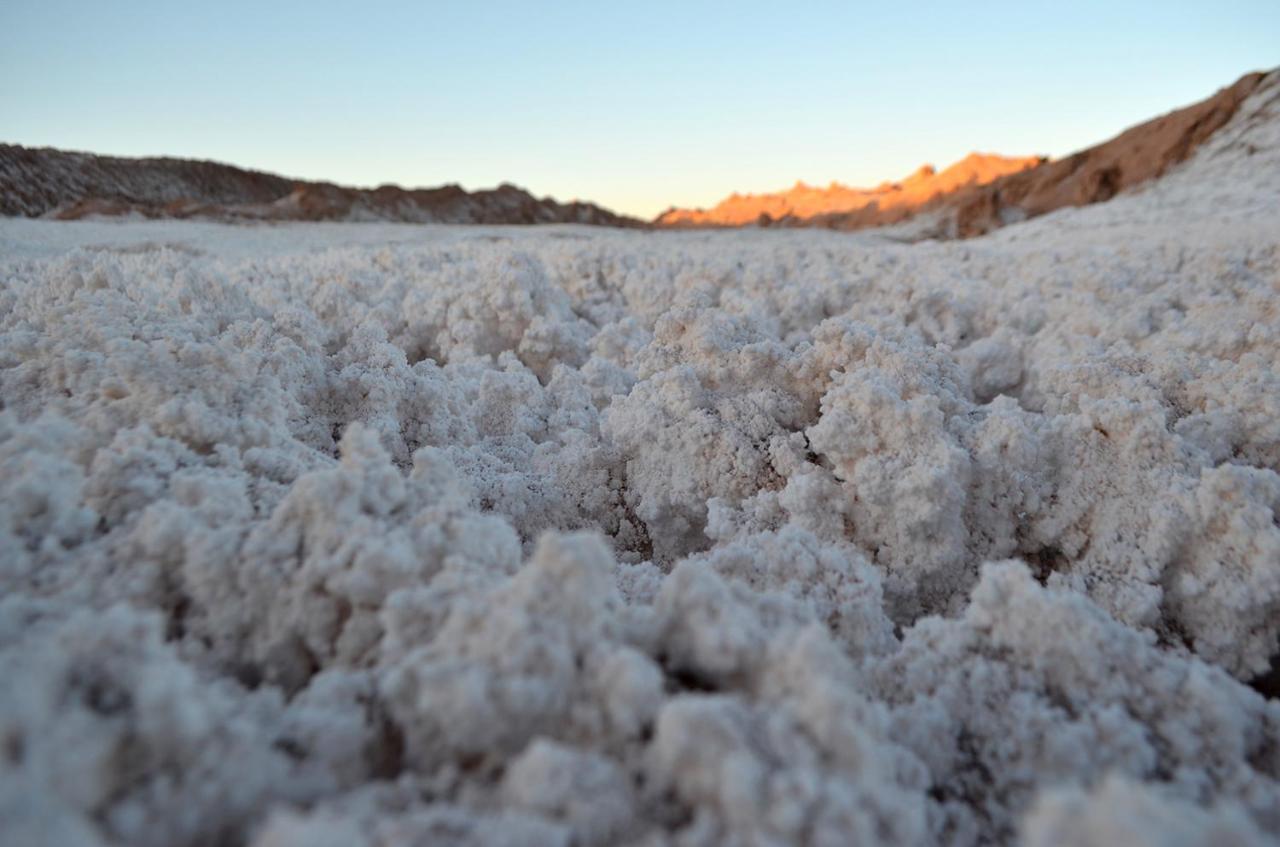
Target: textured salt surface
(479, 537)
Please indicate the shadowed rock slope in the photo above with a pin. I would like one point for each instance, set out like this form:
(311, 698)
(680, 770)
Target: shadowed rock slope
(44, 182)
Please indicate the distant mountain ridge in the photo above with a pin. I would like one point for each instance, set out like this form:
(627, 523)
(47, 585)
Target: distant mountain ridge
(45, 182)
(984, 192)
(887, 201)
(979, 193)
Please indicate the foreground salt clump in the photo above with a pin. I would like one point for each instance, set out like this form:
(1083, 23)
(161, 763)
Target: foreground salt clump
(578, 537)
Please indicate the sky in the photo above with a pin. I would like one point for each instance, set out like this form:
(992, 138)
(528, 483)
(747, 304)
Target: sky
(636, 106)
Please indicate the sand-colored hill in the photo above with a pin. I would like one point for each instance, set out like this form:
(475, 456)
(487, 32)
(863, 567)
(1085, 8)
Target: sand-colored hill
(804, 202)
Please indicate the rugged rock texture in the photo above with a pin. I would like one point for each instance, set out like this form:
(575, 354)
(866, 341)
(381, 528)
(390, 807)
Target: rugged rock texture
(43, 182)
(985, 192)
(1132, 158)
(888, 202)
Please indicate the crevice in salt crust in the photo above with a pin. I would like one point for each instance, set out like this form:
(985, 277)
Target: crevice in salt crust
(730, 538)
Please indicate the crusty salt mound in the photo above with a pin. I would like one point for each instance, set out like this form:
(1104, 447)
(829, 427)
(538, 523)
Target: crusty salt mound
(381, 536)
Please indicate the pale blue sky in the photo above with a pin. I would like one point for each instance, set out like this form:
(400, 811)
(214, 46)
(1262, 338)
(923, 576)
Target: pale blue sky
(635, 106)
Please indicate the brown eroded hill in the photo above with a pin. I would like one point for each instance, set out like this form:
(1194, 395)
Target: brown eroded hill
(886, 203)
(1135, 156)
(43, 182)
(982, 193)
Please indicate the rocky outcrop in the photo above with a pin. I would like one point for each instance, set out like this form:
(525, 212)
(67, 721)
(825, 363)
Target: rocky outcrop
(1137, 155)
(43, 182)
(985, 192)
(888, 202)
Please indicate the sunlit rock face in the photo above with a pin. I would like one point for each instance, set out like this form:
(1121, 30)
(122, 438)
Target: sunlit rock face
(889, 202)
(387, 536)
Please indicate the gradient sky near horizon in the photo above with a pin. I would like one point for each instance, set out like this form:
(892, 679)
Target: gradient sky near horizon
(634, 106)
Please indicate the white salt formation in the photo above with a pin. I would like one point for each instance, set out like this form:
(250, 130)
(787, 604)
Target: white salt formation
(579, 537)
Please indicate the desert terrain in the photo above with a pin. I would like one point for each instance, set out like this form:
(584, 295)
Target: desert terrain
(388, 534)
